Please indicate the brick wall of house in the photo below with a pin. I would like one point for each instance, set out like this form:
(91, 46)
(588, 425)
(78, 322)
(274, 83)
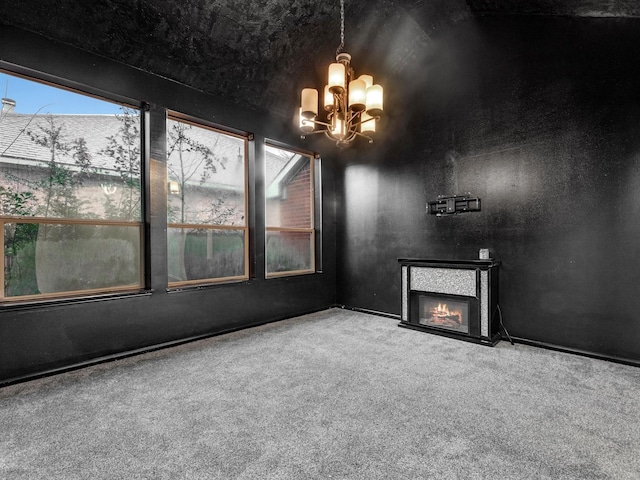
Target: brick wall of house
(295, 210)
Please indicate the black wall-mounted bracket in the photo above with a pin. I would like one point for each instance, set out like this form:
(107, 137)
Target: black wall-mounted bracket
(453, 204)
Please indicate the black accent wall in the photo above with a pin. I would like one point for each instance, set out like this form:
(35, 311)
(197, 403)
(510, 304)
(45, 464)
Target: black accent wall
(540, 118)
(40, 338)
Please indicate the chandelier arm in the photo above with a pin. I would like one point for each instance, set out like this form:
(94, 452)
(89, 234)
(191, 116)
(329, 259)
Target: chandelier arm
(318, 122)
(365, 121)
(342, 142)
(315, 132)
(358, 134)
(339, 141)
(350, 127)
(340, 102)
(351, 136)
(329, 135)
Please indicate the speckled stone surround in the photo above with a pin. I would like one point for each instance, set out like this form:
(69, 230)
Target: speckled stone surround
(448, 281)
(444, 280)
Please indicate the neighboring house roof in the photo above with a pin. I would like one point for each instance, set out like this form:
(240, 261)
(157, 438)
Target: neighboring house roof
(277, 187)
(17, 147)
(281, 167)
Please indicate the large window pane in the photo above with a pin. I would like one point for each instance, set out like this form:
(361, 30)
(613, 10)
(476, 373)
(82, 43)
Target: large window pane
(76, 159)
(289, 207)
(289, 252)
(205, 253)
(62, 258)
(69, 165)
(289, 189)
(207, 187)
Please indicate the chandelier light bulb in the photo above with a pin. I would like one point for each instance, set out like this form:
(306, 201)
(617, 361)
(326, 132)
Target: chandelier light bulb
(336, 78)
(368, 124)
(328, 99)
(309, 103)
(374, 100)
(337, 127)
(306, 124)
(357, 95)
(367, 79)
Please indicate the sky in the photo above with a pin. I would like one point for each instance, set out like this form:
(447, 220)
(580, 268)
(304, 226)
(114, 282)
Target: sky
(31, 96)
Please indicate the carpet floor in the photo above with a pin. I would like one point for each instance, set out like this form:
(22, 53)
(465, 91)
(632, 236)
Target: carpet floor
(332, 395)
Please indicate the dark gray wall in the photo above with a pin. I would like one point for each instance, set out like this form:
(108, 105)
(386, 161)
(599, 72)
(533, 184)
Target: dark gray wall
(540, 117)
(40, 338)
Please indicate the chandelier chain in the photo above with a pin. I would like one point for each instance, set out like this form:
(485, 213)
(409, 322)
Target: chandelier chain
(341, 47)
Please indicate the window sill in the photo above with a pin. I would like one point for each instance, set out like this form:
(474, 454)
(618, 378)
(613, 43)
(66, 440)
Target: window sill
(296, 273)
(45, 302)
(207, 286)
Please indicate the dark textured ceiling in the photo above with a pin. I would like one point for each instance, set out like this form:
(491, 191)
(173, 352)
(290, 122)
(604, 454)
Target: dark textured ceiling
(579, 8)
(259, 53)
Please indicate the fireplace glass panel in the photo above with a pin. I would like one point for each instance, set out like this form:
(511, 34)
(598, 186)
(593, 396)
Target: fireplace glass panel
(443, 312)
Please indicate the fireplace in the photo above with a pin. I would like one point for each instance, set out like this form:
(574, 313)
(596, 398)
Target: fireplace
(441, 311)
(452, 298)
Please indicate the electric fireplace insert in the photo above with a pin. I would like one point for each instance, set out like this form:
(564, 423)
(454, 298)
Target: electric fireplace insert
(453, 298)
(449, 312)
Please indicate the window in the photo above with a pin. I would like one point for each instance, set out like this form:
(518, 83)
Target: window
(207, 204)
(290, 212)
(70, 193)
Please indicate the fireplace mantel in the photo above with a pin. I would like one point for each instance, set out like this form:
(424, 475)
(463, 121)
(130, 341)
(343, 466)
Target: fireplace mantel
(469, 283)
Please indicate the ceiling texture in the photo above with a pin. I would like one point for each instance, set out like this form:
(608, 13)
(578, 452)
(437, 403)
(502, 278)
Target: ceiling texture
(260, 53)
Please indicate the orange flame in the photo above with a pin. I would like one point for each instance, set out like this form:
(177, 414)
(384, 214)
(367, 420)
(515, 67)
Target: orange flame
(442, 308)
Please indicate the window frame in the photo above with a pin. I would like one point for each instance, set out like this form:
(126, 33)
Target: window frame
(141, 108)
(246, 137)
(315, 215)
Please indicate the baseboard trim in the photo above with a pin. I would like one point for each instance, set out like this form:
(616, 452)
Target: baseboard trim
(175, 343)
(370, 312)
(143, 350)
(523, 341)
(574, 351)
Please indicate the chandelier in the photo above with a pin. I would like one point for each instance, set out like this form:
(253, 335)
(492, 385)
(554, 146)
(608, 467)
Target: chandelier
(352, 105)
